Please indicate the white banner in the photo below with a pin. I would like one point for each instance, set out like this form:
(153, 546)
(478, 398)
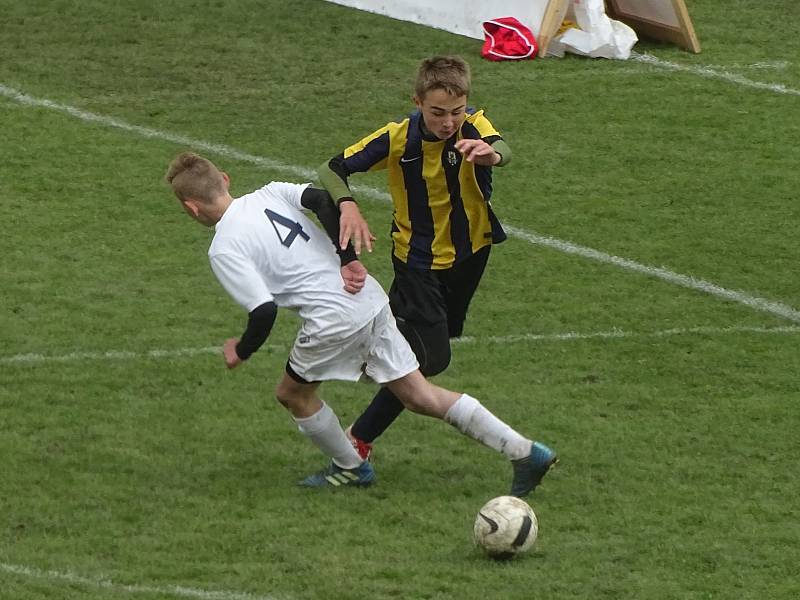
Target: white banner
(464, 17)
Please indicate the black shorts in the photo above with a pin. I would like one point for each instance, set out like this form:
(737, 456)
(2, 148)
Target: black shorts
(437, 297)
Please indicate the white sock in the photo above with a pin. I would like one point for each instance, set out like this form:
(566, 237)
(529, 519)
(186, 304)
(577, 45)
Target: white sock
(471, 418)
(326, 433)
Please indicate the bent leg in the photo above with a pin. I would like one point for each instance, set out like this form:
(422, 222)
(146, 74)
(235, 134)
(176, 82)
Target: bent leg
(299, 398)
(421, 396)
(419, 307)
(462, 411)
(431, 346)
(430, 308)
(316, 420)
(531, 460)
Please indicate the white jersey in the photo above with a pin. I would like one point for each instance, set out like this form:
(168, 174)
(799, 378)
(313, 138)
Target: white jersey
(266, 249)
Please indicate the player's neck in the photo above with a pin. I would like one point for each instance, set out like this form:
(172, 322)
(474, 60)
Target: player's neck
(220, 206)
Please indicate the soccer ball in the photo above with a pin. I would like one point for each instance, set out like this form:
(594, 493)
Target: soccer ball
(505, 526)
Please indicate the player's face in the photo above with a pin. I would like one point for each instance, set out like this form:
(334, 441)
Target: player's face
(443, 113)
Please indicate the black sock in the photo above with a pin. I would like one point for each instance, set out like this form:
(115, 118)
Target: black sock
(382, 411)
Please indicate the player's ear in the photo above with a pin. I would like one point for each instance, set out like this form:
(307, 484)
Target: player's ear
(227, 179)
(417, 100)
(190, 207)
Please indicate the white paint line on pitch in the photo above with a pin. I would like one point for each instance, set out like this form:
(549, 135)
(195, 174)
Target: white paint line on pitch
(761, 304)
(123, 355)
(170, 590)
(713, 73)
(34, 358)
(619, 333)
(147, 132)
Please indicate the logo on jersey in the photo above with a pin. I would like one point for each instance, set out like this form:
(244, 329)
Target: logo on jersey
(452, 157)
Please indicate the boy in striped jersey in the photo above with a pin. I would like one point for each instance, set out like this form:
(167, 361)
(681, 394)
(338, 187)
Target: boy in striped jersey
(439, 161)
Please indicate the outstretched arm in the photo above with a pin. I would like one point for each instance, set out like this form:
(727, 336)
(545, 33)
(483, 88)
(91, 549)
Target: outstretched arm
(321, 204)
(354, 274)
(333, 176)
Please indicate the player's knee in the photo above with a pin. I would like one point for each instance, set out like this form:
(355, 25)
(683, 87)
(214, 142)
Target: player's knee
(436, 360)
(420, 401)
(431, 345)
(282, 400)
(285, 395)
(455, 327)
(426, 399)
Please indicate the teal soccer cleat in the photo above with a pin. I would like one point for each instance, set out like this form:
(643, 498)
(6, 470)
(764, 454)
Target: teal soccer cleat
(528, 471)
(335, 476)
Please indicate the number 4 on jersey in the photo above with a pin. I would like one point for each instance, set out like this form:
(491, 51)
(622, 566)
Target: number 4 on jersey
(290, 228)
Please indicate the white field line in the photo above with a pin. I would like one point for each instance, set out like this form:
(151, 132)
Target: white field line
(754, 302)
(620, 334)
(157, 134)
(714, 73)
(170, 590)
(761, 304)
(123, 355)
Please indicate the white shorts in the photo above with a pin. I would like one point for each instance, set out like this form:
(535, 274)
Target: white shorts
(377, 350)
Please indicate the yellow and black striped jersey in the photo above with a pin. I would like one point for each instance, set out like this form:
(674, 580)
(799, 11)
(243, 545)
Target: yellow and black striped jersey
(442, 211)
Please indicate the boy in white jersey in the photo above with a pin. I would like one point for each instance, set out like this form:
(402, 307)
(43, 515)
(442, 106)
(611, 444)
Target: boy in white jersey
(267, 254)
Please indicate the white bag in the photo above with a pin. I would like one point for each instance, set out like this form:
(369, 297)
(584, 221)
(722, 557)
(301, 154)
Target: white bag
(598, 36)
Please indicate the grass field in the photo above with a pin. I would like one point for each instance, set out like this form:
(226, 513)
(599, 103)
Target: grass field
(643, 317)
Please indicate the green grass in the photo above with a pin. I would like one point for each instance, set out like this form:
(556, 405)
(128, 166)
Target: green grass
(677, 436)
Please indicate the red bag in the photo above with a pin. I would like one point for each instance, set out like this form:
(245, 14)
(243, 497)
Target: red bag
(508, 39)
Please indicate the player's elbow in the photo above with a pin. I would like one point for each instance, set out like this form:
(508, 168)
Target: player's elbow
(324, 169)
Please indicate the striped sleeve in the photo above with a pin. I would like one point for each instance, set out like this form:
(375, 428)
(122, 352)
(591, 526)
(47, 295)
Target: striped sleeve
(484, 127)
(368, 154)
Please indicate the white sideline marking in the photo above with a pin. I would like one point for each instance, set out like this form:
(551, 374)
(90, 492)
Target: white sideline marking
(776, 308)
(147, 132)
(711, 73)
(173, 590)
(32, 359)
(619, 333)
(773, 64)
(762, 304)
(110, 355)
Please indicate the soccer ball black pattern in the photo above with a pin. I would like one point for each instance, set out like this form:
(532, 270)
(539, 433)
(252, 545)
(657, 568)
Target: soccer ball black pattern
(505, 526)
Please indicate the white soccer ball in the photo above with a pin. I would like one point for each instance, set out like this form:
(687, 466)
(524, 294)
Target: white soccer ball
(505, 526)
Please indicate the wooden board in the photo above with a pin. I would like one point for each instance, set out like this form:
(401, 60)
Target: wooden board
(551, 21)
(666, 20)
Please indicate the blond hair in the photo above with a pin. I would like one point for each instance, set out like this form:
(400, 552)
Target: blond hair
(448, 73)
(194, 177)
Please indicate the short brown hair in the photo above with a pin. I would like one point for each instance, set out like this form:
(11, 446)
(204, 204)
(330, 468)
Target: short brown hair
(194, 177)
(448, 73)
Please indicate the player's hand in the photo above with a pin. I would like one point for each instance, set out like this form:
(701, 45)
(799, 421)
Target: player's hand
(478, 152)
(354, 275)
(352, 226)
(232, 359)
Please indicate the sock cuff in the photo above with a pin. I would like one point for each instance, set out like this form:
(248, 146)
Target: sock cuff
(462, 410)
